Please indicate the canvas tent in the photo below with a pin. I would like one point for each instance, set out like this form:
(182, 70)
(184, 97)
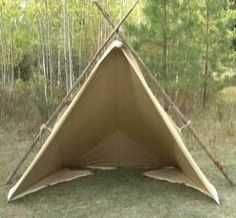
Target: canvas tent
(114, 120)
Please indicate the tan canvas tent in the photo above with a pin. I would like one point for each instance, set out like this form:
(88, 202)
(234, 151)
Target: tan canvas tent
(114, 120)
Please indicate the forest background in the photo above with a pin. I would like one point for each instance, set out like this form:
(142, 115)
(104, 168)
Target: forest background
(45, 45)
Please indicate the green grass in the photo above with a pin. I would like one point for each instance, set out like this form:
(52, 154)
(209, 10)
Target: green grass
(126, 193)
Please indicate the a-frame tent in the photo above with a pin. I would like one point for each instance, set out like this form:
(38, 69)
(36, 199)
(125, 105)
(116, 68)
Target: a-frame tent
(113, 121)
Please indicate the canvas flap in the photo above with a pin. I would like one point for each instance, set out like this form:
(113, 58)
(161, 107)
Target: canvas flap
(174, 175)
(62, 175)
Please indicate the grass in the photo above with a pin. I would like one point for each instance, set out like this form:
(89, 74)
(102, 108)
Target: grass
(126, 193)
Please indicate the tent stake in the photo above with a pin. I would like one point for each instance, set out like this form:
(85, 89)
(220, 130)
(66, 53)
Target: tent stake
(67, 97)
(166, 96)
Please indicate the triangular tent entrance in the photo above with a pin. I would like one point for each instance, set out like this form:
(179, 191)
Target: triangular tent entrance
(114, 120)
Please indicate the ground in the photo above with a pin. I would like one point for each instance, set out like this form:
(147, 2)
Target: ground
(126, 193)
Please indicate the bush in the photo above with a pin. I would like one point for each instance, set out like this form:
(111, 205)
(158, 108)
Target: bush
(44, 106)
(26, 103)
(16, 102)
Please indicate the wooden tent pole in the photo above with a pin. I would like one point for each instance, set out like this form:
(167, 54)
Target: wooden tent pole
(66, 98)
(166, 96)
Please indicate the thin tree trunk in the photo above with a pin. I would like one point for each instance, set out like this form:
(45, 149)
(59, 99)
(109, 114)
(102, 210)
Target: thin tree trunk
(8, 65)
(3, 51)
(65, 44)
(206, 67)
(45, 74)
(2, 55)
(19, 72)
(164, 49)
(43, 60)
(48, 50)
(12, 59)
(59, 66)
(50, 64)
(70, 51)
(80, 44)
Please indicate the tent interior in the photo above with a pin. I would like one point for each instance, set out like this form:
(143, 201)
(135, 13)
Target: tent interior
(113, 121)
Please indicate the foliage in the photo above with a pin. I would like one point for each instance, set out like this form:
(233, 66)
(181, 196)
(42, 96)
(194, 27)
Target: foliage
(172, 38)
(44, 108)
(228, 95)
(16, 103)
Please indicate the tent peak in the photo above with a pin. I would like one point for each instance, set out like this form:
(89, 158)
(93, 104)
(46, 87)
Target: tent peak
(117, 44)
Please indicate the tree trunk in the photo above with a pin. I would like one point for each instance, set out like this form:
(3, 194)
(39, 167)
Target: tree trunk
(41, 33)
(49, 66)
(80, 44)
(206, 67)
(3, 51)
(65, 43)
(164, 49)
(70, 51)
(12, 60)
(59, 66)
